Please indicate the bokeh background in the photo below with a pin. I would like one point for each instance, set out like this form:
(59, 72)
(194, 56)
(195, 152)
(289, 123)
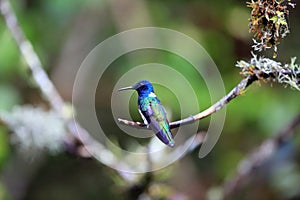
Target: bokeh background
(63, 32)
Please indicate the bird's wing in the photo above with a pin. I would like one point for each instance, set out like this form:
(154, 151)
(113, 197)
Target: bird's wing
(153, 113)
(143, 116)
(159, 123)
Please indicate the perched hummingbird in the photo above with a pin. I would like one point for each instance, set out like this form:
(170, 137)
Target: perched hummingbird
(152, 112)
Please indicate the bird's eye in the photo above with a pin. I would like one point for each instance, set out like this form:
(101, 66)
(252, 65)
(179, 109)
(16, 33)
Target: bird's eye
(143, 87)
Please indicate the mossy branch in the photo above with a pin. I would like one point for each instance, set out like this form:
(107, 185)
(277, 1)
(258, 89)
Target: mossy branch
(260, 68)
(236, 91)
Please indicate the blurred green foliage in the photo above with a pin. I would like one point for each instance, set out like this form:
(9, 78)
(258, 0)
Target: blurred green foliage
(220, 26)
(4, 145)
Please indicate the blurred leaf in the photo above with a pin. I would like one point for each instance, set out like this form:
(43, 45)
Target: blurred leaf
(9, 97)
(3, 193)
(9, 55)
(4, 147)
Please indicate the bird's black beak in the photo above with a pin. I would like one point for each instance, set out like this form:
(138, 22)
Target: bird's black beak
(127, 88)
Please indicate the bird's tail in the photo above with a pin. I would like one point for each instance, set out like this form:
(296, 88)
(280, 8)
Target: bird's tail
(166, 137)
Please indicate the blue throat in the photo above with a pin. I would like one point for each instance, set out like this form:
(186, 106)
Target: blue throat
(145, 91)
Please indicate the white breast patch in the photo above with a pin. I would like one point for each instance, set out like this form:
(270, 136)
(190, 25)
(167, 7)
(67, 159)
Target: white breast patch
(152, 95)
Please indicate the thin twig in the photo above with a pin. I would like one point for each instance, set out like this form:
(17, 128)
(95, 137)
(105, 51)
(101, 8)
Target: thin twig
(258, 157)
(236, 91)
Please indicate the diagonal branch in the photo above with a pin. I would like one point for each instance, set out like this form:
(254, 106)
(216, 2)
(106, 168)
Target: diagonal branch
(257, 69)
(40, 76)
(258, 157)
(236, 91)
(43, 81)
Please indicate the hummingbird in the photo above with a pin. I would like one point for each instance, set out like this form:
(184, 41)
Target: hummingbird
(152, 112)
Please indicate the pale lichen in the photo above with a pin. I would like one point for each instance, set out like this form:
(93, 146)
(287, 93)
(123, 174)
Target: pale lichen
(270, 70)
(35, 129)
(269, 23)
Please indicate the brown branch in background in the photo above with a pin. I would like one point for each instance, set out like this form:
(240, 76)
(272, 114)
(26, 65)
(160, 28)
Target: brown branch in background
(257, 158)
(236, 91)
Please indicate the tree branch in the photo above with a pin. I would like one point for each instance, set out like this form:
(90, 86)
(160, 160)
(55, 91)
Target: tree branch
(236, 91)
(40, 76)
(258, 157)
(257, 69)
(42, 80)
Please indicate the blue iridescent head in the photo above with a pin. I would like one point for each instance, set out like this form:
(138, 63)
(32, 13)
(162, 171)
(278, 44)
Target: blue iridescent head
(143, 87)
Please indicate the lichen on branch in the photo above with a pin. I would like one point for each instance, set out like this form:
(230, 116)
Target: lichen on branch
(268, 22)
(269, 70)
